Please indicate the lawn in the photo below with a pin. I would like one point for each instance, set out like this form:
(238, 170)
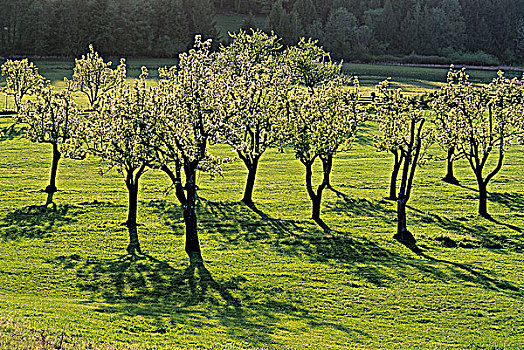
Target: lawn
(272, 278)
(410, 79)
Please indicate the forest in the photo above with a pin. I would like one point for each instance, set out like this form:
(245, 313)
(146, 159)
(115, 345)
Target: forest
(414, 31)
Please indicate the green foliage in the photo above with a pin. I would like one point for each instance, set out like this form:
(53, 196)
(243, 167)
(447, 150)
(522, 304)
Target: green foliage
(255, 46)
(21, 79)
(94, 77)
(311, 65)
(53, 117)
(258, 81)
(324, 122)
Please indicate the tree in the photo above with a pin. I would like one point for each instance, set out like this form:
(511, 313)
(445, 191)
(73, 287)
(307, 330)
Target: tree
(21, 79)
(201, 18)
(258, 81)
(249, 23)
(94, 77)
(401, 123)
(310, 64)
(306, 11)
(53, 117)
(117, 132)
(447, 123)
(193, 120)
(322, 124)
(487, 122)
(341, 33)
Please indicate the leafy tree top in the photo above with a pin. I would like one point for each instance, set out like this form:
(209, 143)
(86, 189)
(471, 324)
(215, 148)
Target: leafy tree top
(311, 65)
(22, 78)
(53, 117)
(324, 122)
(398, 116)
(94, 77)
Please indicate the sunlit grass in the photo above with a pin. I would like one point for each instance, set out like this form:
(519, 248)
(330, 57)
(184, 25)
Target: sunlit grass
(273, 278)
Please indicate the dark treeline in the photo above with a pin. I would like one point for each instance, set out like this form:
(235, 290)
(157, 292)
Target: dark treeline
(363, 29)
(433, 31)
(115, 27)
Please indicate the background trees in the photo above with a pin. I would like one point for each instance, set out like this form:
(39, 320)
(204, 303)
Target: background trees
(350, 29)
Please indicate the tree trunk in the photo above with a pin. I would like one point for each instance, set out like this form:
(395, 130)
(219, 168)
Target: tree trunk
(177, 182)
(132, 188)
(316, 198)
(51, 189)
(250, 183)
(327, 164)
(450, 177)
(403, 235)
(483, 198)
(134, 244)
(394, 175)
(190, 218)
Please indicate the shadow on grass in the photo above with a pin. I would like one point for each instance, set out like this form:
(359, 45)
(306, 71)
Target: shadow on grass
(512, 201)
(483, 237)
(152, 296)
(170, 213)
(375, 265)
(354, 207)
(11, 132)
(364, 136)
(36, 221)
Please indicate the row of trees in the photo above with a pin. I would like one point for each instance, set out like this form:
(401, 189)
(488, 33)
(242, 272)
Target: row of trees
(349, 29)
(251, 96)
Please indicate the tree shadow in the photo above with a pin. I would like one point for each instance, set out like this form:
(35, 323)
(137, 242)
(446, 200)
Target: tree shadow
(495, 221)
(512, 201)
(101, 204)
(238, 222)
(482, 235)
(170, 213)
(371, 262)
(36, 221)
(11, 132)
(354, 207)
(479, 277)
(150, 295)
(464, 187)
(364, 136)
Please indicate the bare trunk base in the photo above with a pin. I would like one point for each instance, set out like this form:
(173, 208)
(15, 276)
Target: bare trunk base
(134, 244)
(450, 179)
(405, 237)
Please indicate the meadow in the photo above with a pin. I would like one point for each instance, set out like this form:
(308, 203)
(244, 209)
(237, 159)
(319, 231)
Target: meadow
(272, 278)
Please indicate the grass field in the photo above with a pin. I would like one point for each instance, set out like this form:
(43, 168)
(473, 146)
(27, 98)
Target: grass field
(273, 279)
(410, 79)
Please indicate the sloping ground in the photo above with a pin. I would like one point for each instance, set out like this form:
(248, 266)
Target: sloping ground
(272, 278)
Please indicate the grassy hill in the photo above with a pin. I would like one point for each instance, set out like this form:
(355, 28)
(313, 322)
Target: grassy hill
(272, 278)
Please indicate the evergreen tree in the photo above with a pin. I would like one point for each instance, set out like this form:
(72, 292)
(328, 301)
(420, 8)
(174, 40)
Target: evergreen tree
(201, 18)
(340, 33)
(306, 12)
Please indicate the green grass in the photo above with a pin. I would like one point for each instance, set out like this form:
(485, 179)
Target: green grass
(273, 279)
(410, 79)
